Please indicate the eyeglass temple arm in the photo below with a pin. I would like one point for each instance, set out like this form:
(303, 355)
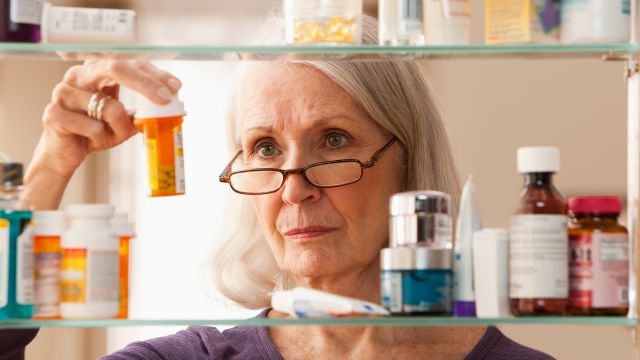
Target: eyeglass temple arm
(224, 175)
(374, 159)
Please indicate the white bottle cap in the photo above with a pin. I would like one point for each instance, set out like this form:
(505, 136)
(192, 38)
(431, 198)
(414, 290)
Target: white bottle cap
(538, 159)
(121, 226)
(90, 211)
(49, 223)
(147, 109)
(282, 301)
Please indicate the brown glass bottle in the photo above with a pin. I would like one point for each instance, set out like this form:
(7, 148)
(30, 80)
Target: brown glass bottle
(541, 198)
(599, 265)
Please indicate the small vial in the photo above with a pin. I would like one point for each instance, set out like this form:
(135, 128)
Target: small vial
(538, 244)
(20, 20)
(401, 22)
(48, 228)
(125, 231)
(161, 126)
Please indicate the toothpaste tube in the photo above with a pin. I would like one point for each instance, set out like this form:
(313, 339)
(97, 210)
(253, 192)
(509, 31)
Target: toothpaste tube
(310, 303)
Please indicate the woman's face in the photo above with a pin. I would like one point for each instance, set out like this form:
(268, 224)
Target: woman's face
(290, 116)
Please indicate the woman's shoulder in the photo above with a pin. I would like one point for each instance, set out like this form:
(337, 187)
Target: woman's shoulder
(494, 345)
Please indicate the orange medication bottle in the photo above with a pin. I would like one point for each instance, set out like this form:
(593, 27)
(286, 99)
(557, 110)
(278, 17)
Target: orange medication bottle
(47, 256)
(125, 231)
(162, 129)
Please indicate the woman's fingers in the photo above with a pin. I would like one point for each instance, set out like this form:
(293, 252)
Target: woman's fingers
(139, 76)
(69, 123)
(119, 123)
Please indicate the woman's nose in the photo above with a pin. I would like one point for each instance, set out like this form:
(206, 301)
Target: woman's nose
(297, 190)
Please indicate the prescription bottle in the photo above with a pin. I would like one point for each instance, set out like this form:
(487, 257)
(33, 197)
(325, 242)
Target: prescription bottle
(90, 260)
(48, 227)
(324, 22)
(161, 126)
(599, 257)
(124, 231)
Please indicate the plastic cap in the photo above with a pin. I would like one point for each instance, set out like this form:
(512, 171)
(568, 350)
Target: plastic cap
(90, 211)
(10, 175)
(282, 301)
(413, 202)
(49, 223)
(121, 226)
(538, 159)
(146, 109)
(491, 235)
(595, 204)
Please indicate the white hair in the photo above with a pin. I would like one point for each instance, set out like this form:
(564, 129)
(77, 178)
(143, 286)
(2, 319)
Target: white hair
(396, 96)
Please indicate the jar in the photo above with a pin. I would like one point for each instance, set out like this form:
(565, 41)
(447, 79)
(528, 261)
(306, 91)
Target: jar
(161, 126)
(421, 218)
(90, 264)
(326, 22)
(417, 281)
(599, 257)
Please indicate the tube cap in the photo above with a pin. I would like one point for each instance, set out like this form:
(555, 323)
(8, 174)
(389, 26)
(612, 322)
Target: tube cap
(414, 202)
(147, 109)
(416, 258)
(538, 159)
(51, 223)
(595, 204)
(10, 175)
(90, 211)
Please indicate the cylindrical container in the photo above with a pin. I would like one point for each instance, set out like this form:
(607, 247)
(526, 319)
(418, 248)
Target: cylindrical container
(401, 22)
(595, 21)
(89, 277)
(333, 22)
(421, 218)
(417, 281)
(48, 227)
(61, 24)
(124, 231)
(491, 272)
(538, 243)
(447, 22)
(20, 20)
(162, 129)
(599, 257)
(16, 246)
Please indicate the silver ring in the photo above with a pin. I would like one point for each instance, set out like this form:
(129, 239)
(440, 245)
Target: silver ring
(100, 107)
(93, 103)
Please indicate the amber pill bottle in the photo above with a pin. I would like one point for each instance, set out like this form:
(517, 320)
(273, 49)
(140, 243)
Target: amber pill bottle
(538, 240)
(598, 258)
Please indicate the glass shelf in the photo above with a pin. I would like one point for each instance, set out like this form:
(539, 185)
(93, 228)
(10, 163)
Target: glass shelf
(352, 321)
(364, 52)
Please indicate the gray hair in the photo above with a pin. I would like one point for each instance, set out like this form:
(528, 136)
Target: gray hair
(396, 97)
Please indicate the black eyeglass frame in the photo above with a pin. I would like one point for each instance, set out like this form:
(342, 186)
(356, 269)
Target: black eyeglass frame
(225, 176)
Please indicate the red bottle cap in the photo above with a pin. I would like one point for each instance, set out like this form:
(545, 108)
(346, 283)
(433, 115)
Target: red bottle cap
(595, 204)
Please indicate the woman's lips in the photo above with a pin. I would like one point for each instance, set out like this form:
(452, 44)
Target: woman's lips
(309, 232)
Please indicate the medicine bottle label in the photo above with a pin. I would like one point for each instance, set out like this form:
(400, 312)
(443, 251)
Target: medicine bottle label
(391, 291)
(4, 262)
(152, 159)
(25, 11)
(48, 256)
(103, 276)
(538, 260)
(73, 278)
(179, 161)
(599, 270)
(24, 268)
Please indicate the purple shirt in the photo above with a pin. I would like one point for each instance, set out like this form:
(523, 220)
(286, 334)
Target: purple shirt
(200, 343)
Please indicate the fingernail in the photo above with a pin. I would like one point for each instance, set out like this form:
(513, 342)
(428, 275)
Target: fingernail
(175, 84)
(164, 93)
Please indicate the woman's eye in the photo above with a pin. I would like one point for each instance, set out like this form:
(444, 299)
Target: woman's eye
(265, 149)
(335, 140)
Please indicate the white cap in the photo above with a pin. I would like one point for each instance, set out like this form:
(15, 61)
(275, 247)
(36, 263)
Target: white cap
(283, 301)
(538, 159)
(493, 235)
(50, 223)
(147, 109)
(121, 226)
(90, 211)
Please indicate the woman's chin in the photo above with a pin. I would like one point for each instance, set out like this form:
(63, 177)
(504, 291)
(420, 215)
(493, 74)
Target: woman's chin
(313, 263)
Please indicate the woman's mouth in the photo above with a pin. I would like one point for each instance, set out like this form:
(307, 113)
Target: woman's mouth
(307, 233)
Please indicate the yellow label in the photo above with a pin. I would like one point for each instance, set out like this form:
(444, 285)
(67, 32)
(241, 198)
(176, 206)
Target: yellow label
(508, 21)
(152, 162)
(4, 223)
(73, 278)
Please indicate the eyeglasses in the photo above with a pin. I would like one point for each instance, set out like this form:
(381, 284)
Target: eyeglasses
(325, 174)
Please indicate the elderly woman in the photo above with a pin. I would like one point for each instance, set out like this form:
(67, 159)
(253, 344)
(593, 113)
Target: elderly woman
(315, 225)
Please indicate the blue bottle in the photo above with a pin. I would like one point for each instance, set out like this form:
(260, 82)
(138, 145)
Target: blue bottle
(16, 247)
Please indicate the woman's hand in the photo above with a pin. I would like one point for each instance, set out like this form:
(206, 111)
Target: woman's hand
(70, 135)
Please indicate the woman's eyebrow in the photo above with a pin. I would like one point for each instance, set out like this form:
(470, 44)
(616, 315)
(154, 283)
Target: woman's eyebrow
(315, 123)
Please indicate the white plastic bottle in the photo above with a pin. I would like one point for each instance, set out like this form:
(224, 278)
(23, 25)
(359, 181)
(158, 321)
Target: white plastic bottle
(595, 21)
(447, 22)
(90, 264)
